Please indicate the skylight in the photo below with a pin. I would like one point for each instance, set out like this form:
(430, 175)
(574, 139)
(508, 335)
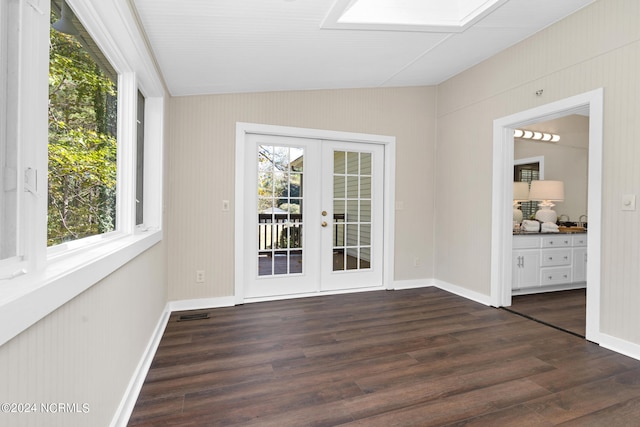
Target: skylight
(408, 15)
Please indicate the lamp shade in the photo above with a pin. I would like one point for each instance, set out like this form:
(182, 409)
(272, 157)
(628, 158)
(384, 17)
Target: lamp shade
(520, 191)
(552, 191)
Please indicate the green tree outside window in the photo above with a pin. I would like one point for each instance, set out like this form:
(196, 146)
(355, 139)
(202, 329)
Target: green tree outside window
(82, 142)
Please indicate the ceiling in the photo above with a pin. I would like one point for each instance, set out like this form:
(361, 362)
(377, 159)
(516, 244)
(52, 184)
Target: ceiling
(232, 46)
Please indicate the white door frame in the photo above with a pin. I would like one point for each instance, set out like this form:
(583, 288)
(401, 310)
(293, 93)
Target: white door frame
(501, 228)
(389, 143)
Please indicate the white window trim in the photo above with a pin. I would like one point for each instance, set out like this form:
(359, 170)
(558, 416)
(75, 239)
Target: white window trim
(54, 276)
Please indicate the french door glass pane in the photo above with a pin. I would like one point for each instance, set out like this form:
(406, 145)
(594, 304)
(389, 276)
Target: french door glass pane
(352, 211)
(280, 202)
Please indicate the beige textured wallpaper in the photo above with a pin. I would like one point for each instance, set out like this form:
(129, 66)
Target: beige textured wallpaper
(598, 46)
(201, 156)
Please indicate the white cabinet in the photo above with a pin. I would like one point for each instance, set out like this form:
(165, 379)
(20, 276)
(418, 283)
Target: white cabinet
(526, 262)
(543, 262)
(526, 269)
(579, 258)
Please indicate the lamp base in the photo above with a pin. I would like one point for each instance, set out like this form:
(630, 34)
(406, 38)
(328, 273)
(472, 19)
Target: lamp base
(517, 216)
(546, 214)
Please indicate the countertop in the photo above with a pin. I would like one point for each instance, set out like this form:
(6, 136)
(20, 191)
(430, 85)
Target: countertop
(533, 233)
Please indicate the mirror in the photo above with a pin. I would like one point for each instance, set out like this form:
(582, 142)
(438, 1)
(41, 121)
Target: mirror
(565, 160)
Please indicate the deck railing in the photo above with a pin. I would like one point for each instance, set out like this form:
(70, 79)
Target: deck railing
(282, 231)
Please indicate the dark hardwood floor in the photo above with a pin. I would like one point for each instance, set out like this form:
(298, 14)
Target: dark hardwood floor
(420, 357)
(565, 309)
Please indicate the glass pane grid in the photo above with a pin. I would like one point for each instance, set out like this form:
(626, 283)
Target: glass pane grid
(280, 202)
(352, 211)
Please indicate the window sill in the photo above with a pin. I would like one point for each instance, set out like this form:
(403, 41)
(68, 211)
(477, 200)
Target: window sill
(26, 299)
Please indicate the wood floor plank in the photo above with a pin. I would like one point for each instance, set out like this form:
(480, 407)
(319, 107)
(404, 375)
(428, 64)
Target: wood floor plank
(588, 398)
(518, 415)
(563, 309)
(621, 414)
(457, 407)
(587, 371)
(419, 390)
(416, 357)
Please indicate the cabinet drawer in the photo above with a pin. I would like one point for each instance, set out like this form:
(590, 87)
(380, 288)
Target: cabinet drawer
(553, 257)
(555, 276)
(556, 241)
(526, 242)
(579, 240)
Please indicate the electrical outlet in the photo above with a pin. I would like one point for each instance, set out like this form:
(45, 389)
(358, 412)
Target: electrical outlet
(417, 262)
(225, 205)
(199, 276)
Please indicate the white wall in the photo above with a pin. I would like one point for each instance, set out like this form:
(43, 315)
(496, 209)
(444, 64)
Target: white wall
(599, 46)
(201, 156)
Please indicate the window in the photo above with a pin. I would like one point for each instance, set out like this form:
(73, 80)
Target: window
(82, 134)
(140, 161)
(69, 166)
(526, 173)
(8, 146)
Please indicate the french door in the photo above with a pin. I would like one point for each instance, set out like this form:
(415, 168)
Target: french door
(314, 216)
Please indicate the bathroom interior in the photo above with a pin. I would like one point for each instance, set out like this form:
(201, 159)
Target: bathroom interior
(556, 151)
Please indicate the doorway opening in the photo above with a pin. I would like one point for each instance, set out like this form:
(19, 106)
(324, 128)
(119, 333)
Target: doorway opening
(555, 294)
(590, 103)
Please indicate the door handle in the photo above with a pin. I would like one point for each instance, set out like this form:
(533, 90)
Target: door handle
(324, 223)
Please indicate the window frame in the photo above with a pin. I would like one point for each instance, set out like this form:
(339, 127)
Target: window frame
(140, 181)
(538, 160)
(7, 263)
(50, 277)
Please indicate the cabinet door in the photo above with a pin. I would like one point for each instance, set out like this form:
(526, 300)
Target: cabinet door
(580, 264)
(526, 268)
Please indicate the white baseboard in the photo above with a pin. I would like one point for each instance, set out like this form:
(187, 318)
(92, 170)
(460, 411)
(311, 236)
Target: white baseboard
(620, 346)
(445, 286)
(463, 292)
(128, 402)
(412, 284)
(201, 303)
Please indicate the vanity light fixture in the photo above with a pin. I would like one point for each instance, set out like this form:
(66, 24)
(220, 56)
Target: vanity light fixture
(536, 136)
